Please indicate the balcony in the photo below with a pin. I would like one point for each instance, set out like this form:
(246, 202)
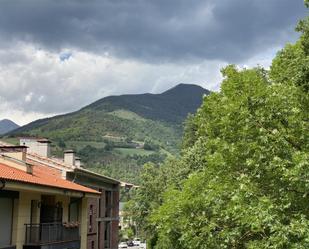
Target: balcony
(44, 234)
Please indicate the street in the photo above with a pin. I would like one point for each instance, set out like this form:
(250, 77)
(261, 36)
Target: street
(134, 247)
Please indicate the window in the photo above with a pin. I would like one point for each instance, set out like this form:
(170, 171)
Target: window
(108, 204)
(107, 234)
(74, 209)
(50, 210)
(90, 218)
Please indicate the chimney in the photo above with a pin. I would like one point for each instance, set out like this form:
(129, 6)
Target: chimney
(15, 156)
(38, 146)
(69, 157)
(77, 162)
(43, 147)
(16, 152)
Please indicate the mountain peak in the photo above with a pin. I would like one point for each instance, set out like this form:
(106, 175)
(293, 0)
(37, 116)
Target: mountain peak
(171, 106)
(6, 120)
(186, 87)
(7, 125)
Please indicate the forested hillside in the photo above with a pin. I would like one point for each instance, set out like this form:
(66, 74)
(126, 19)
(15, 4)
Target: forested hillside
(171, 106)
(118, 134)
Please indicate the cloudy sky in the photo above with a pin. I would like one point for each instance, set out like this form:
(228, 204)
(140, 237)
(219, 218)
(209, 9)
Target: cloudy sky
(58, 55)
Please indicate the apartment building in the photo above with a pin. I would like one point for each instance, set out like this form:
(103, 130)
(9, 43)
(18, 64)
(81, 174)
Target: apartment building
(102, 212)
(38, 208)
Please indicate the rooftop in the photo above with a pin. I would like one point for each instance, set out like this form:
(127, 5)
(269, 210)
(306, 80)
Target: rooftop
(53, 162)
(40, 176)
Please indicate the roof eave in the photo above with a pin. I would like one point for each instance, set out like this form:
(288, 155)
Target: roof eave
(19, 185)
(102, 177)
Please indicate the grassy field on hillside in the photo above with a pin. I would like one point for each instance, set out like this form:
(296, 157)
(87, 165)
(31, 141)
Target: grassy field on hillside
(12, 140)
(127, 115)
(78, 145)
(133, 151)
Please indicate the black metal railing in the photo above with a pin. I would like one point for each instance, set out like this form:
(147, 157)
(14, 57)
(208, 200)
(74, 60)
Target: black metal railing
(46, 233)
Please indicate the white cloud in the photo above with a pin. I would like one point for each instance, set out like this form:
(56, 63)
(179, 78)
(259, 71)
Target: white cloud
(7, 111)
(42, 83)
(36, 83)
(28, 97)
(90, 51)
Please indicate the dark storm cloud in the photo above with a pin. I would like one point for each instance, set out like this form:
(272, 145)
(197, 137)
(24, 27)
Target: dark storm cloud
(153, 30)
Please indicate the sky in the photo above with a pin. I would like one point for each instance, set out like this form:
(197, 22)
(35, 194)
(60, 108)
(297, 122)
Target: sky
(57, 56)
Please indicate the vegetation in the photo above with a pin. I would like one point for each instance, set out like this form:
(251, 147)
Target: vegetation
(242, 178)
(153, 117)
(94, 125)
(118, 134)
(123, 164)
(171, 106)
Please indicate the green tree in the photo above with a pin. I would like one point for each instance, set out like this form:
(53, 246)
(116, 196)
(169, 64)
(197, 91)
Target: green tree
(130, 233)
(303, 27)
(250, 185)
(150, 145)
(189, 134)
(61, 143)
(291, 66)
(149, 196)
(242, 180)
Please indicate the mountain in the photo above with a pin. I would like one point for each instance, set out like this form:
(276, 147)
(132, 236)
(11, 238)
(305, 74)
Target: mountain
(111, 114)
(7, 125)
(170, 106)
(118, 134)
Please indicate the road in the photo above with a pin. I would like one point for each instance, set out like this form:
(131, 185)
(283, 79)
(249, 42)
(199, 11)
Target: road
(133, 247)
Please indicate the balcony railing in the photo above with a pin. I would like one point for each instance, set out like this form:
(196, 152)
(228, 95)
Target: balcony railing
(48, 233)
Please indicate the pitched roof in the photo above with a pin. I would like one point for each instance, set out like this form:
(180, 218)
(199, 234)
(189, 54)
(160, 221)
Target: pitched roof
(40, 177)
(57, 163)
(53, 162)
(102, 177)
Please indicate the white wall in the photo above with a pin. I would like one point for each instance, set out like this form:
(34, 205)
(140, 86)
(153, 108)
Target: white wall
(40, 148)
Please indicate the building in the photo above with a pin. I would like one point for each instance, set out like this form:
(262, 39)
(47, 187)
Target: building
(103, 212)
(39, 209)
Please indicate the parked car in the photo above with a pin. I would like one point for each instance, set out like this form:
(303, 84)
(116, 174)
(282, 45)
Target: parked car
(130, 243)
(123, 245)
(137, 241)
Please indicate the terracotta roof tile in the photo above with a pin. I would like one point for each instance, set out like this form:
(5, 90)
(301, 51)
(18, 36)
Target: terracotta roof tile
(45, 169)
(53, 161)
(40, 177)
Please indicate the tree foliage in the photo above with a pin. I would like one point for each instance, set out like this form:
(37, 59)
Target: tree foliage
(291, 65)
(242, 179)
(190, 128)
(250, 185)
